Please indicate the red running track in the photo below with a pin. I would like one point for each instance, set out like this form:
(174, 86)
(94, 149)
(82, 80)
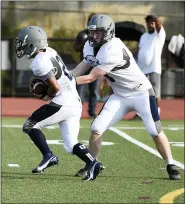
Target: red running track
(171, 109)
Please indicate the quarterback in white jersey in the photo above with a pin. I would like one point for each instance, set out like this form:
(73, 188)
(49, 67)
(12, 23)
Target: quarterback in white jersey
(107, 56)
(124, 76)
(65, 105)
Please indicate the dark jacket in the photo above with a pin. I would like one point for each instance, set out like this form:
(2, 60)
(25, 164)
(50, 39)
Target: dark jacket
(80, 40)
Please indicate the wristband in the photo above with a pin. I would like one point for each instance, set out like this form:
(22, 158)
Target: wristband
(47, 98)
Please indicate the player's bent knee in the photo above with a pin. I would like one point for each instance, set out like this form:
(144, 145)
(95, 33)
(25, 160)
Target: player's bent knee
(97, 129)
(153, 133)
(28, 125)
(69, 148)
(155, 129)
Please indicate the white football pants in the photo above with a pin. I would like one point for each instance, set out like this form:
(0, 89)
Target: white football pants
(117, 107)
(68, 119)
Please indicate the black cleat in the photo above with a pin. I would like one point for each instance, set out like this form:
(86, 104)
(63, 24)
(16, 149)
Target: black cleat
(93, 171)
(83, 172)
(45, 163)
(172, 172)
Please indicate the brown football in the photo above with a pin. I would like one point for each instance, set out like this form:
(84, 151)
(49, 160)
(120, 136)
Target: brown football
(37, 86)
(40, 88)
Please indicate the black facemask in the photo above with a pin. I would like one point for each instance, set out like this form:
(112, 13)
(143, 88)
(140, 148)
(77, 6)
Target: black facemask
(19, 48)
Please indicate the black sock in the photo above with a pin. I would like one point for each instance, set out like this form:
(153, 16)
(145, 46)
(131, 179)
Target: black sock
(83, 153)
(39, 140)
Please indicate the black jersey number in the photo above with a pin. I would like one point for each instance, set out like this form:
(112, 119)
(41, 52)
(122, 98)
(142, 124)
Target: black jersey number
(59, 67)
(126, 58)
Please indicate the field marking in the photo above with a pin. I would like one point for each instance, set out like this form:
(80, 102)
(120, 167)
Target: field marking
(143, 128)
(13, 165)
(175, 127)
(124, 135)
(165, 168)
(142, 145)
(169, 197)
(85, 142)
(177, 144)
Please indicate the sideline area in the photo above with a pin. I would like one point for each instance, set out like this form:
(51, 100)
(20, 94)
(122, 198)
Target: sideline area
(171, 109)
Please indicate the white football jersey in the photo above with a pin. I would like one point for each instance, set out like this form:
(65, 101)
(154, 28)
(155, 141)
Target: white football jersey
(117, 61)
(47, 63)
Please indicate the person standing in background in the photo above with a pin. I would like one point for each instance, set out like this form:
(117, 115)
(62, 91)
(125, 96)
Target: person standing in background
(149, 56)
(80, 40)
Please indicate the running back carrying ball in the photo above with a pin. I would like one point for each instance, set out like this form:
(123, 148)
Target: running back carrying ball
(38, 87)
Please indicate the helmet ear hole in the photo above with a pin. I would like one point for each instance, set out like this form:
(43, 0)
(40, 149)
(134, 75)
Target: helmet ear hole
(31, 46)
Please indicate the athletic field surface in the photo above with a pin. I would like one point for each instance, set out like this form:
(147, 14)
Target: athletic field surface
(134, 171)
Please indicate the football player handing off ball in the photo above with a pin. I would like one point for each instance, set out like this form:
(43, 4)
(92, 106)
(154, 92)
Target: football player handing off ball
(132, 90)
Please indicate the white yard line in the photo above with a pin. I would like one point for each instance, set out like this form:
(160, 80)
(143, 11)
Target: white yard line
(142, 145)
(118, 127)
(13, 165)
(143, 128)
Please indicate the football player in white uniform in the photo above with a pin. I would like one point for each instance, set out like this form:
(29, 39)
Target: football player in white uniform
(64, 107)
(107, 56)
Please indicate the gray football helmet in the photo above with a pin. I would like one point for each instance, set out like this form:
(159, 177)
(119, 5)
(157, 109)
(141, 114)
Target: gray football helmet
(30, 40)
(102, 22)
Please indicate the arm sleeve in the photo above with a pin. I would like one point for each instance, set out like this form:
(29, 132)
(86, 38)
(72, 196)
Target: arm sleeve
(48, 75)
(43, 66)
(81, 69)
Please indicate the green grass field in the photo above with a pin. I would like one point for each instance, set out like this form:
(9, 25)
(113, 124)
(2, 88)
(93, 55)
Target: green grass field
(132, 174)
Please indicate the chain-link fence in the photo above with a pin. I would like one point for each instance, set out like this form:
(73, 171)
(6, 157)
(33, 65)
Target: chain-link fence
(15, 73)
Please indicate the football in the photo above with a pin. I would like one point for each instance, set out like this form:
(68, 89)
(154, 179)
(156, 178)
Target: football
(38, 86)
